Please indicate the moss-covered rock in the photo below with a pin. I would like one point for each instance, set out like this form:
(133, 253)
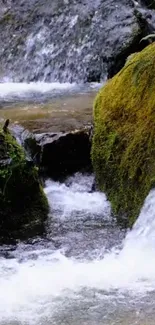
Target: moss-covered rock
(123, 150)
(23, 205)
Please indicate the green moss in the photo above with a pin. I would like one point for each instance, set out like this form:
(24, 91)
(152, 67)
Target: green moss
(123, 150)
(24, 206)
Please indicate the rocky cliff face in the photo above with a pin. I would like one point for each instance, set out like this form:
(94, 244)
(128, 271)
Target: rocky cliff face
(69, 40)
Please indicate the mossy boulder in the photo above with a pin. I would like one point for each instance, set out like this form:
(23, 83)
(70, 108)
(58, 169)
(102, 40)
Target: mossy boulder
(23, 205)
(123, 149)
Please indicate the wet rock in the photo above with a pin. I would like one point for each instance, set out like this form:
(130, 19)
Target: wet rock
(150, 4)
(23, 205)
(145, 27)
(65, 153)
(60, 154)
(68, 41)
(28, 141)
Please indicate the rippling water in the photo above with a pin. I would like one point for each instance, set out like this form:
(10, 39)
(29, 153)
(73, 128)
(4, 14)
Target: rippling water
(48, 107)
(86, 270)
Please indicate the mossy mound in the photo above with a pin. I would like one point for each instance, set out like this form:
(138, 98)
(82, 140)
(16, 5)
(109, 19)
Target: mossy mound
(23, 205)
(123, 150)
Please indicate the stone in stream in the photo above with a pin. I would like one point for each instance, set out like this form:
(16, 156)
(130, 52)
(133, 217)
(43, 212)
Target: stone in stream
(57, 154)
(65, 153)
(123, 150)
(23, 205)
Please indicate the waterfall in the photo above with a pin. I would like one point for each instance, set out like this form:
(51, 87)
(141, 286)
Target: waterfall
(42, 278)
(67, 41)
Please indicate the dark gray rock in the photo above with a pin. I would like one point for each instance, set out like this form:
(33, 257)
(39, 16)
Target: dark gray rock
(59, 154)
(28, 141)
(150, 4)
(68, 40)
(134, 44)
(65, 153)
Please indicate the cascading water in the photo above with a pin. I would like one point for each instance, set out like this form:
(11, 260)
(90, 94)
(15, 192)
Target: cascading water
(83, 271)
(86, 270)
(67, 41)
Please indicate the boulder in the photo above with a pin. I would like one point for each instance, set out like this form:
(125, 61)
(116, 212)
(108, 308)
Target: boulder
(134, 44)
(65, 153)
(23, 205)
(123, 149)
(68, 40)
(58, 154)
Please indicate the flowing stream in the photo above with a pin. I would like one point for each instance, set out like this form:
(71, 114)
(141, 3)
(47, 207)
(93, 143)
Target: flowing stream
(48, 107)
(86, 270)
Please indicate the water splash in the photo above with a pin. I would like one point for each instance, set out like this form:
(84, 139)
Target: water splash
(35, 287)
(36, 91)
(77, 196)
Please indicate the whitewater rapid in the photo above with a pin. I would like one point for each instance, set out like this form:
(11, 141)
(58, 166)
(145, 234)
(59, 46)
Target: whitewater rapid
(37, 91)
(74, 265)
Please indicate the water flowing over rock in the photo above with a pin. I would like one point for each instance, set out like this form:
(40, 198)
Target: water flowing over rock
(68, 40)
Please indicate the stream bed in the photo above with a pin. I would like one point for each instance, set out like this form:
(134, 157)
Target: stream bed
(83, 271)
(86, 269)
(44, 107)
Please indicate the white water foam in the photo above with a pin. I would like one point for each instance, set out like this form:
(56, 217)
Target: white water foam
(32, 289)
(35, 90)
(76, 196)
(23, 89)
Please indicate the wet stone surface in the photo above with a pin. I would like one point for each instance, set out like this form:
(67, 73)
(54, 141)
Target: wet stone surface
(69, 40)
